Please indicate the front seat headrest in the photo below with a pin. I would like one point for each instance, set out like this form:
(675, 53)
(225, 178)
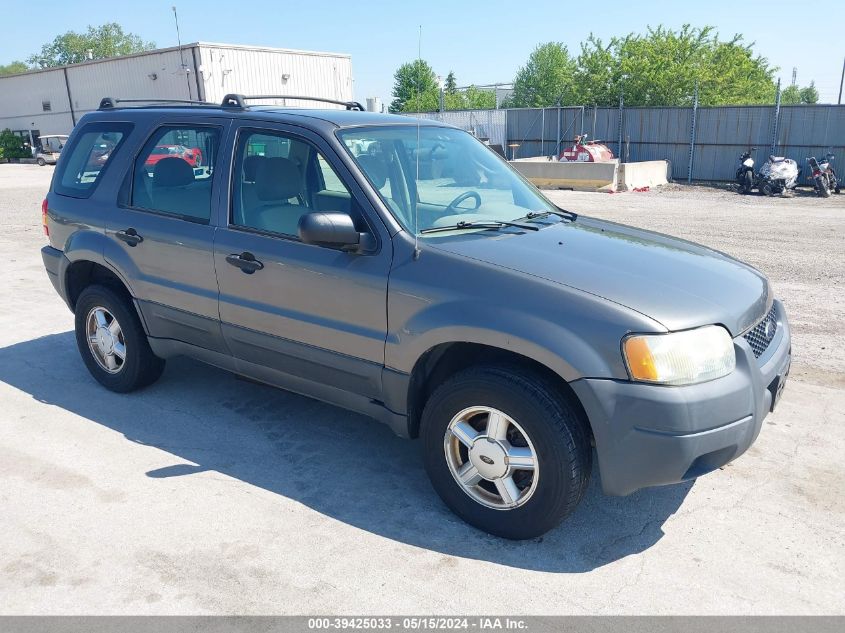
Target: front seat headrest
(277, 179)
(374, 168)
(251, 167)
(172, 172)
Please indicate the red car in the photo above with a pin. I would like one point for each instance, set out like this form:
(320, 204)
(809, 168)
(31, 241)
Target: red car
(192, 156)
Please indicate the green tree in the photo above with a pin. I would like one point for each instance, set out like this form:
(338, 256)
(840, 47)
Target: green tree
(546, 79)
(415, 88)
(810, 94)
(454, 101)
(108, 40)
(792, 95)
(13, 68)
(472, 98)
(477, 99)
(662, 67)
(12, 145)
(451, 85)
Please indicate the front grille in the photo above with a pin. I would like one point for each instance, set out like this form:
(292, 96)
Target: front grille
(762, 334)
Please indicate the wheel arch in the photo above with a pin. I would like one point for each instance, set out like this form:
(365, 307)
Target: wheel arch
(81, 273)
(443, 360)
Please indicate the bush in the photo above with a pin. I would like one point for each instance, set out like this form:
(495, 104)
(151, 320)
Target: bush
(12, 146)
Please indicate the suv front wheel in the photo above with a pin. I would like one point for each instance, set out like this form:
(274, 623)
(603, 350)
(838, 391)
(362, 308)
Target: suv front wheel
(505, 450)
(112, 342)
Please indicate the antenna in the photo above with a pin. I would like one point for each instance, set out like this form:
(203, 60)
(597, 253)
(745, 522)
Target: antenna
(417, 180)
(181, 56)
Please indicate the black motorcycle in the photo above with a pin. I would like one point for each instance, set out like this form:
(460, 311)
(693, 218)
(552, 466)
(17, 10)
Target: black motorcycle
(823, 175)
(745, 172)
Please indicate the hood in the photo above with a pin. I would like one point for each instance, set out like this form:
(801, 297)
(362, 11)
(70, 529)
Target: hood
(677, 283)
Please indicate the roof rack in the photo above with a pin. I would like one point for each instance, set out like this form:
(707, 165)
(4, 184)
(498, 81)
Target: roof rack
(239, 101)
(107, 103)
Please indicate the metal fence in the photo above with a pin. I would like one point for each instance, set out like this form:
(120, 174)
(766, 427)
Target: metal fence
(638, 134)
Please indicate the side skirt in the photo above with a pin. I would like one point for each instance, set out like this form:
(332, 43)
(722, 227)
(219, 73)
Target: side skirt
(168, 348)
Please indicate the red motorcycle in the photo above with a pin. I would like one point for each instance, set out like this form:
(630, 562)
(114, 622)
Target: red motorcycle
(823, 175)
(584, 151)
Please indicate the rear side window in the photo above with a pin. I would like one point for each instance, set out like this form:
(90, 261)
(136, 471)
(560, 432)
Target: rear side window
(173, 172)
(85, 162)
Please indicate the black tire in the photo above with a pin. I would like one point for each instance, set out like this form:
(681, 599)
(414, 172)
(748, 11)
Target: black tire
(554, 426)
(822, 187)
(747, 183)
(140, 367)
(41, 162)
(767, 189)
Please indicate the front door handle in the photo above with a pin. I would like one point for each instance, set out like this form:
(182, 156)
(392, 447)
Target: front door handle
(245, 261)
(130, 236)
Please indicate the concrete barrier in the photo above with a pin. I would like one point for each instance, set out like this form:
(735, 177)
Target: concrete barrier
(610, 176)
(650, 173)
(578, 176)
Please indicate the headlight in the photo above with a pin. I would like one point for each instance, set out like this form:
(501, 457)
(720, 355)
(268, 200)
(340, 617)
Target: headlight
(680, 358)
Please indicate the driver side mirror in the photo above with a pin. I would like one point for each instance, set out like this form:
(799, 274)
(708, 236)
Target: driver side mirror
(334, 230)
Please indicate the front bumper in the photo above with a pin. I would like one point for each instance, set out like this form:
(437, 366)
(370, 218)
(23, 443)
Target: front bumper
(650, 435)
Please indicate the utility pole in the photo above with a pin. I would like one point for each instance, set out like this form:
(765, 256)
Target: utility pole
(621, 110)
(841, 81)
(440, 88)
(777, 117)
(794, 75)
(692, 132)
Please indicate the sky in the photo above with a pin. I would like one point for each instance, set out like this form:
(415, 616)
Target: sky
(482, 41)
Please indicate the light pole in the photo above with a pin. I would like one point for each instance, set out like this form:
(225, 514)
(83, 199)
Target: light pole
(440, 88)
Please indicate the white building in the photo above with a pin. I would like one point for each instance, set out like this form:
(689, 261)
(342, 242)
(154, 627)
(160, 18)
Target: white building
(51, 101)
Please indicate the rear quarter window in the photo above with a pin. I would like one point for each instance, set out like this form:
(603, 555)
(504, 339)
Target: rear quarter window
(84, 161)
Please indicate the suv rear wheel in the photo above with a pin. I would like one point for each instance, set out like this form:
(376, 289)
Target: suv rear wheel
(112, 342)
(504, 451)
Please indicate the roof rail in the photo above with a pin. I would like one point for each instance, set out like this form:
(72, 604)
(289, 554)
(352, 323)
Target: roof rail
(107, 103)
(239, 101)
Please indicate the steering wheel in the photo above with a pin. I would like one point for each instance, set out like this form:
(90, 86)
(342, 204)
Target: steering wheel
(466, 195)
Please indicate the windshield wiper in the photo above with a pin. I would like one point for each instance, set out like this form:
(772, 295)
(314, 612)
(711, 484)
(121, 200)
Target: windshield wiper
(494, 224)
(561, 213)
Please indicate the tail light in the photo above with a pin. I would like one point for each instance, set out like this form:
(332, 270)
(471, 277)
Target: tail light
(44, 218)
(816, 174)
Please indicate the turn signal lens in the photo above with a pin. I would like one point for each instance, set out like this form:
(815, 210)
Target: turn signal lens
(680, 358)
(44, 218)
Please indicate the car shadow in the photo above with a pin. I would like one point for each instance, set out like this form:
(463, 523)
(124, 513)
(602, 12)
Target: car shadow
(340, 464)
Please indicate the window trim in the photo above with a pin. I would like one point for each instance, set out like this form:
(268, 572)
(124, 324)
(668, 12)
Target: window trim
(236, 157)
(124, 127)
(127, 204)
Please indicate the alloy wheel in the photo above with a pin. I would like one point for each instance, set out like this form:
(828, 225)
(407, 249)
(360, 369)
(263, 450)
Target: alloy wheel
(105, 339)
(491, 457)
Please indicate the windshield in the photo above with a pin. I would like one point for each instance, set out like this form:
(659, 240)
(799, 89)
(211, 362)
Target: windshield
(447, 175)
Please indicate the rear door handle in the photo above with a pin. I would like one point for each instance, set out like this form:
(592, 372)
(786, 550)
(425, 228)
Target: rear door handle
(245, 261)
(130, 236)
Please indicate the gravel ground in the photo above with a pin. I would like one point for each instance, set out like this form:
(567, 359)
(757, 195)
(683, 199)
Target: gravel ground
(204, 494)
(797, 241)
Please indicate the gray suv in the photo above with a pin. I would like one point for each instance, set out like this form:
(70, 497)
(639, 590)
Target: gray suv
(401, 269)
